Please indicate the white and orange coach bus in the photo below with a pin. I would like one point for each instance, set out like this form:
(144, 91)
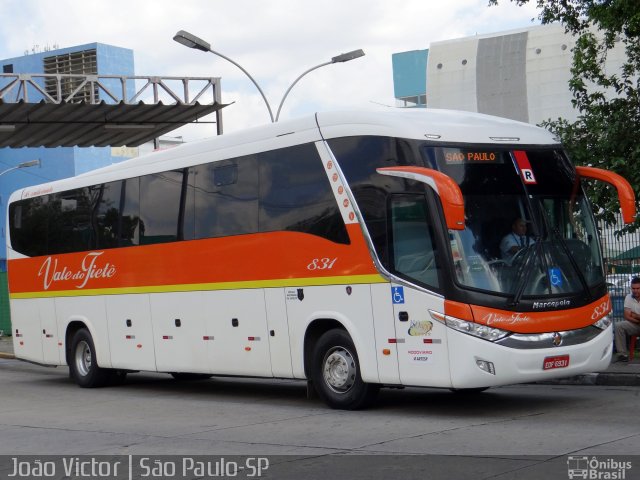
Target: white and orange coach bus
(353, 250)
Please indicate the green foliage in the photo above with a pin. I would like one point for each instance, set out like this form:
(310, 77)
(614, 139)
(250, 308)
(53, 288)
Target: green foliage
(607, 131)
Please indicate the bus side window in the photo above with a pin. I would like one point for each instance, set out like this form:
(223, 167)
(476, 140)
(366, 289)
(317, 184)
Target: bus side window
(412, 240)
(160, 195)
(29, 226)
(225, 198)
(107, 214)
(295, 194)
(69, 228)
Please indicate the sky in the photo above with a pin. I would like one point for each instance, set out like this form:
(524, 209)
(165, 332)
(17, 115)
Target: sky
(274, 40)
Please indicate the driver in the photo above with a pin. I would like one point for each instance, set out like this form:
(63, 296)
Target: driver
(515, 240)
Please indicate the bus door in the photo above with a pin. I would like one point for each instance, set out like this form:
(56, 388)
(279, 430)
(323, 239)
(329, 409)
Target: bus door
(421, 341)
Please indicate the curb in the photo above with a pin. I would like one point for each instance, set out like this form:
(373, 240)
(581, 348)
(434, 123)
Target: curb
(608, 379)
(7, 356)
(619, 379)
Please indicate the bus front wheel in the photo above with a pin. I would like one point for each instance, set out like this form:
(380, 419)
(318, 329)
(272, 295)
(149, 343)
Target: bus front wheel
(83, 363)
(336, 373)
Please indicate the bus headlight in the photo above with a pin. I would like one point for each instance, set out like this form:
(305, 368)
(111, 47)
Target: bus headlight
(604, 322)
(475, 329)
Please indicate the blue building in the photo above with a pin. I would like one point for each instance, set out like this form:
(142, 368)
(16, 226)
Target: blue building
(59, 162)
(410, 77)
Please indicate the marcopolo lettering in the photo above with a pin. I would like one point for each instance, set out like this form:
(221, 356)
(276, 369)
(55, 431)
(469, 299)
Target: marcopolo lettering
(552, 304)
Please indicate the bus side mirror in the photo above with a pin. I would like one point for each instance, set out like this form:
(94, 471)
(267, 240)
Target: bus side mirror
(446, 188)
(625, 192)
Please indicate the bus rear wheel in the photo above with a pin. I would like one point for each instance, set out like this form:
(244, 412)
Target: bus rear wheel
(83, 363)
(335, 373)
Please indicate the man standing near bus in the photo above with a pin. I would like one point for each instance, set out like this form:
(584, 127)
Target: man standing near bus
(631, 324)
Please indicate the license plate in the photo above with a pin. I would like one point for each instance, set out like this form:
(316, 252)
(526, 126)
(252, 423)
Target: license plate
(561, 361)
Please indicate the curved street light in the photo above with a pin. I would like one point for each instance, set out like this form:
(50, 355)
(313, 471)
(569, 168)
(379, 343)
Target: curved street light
(30, 163)
(344, 57)
(189, 40)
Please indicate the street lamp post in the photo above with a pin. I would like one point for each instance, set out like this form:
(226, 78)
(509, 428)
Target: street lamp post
(189, 40)
(345, 57)
(30, 163)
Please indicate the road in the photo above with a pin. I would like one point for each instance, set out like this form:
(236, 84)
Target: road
(521, 431)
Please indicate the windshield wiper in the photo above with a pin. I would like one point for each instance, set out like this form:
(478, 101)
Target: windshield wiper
(522, 284)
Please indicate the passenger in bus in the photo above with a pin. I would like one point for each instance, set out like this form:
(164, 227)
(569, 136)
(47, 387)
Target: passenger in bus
(631, 324)
(515, 240)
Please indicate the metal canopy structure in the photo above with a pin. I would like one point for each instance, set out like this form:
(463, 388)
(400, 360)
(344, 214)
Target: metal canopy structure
(58, 110)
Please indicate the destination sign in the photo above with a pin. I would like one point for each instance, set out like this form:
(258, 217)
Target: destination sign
(454, 156)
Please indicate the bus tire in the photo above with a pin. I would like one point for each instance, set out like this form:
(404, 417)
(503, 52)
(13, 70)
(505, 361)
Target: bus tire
(83, 364)
(335, 373)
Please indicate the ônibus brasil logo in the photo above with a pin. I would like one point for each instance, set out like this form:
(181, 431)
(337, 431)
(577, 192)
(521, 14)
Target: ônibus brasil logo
(596, 468)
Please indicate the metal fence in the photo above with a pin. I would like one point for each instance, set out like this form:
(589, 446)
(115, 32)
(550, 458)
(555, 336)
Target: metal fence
(622, 261)
(621, 252)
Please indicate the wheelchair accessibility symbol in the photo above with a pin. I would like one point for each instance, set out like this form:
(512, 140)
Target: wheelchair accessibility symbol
(555, 275)
(397, 294)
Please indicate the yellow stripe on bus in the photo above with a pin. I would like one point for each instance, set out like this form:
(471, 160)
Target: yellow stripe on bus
(286, 282)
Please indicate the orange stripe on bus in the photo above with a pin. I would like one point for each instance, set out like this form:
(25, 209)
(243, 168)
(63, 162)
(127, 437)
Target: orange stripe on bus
(538, 322)
(243, 258)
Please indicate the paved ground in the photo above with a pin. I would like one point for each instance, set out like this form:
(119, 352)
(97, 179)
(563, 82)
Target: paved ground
(518, 432)
(618, 374)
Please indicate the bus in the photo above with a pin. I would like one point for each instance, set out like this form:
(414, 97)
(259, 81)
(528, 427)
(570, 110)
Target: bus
(353, 250)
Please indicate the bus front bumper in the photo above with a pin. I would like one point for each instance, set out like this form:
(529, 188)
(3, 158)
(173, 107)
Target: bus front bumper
(477, 363)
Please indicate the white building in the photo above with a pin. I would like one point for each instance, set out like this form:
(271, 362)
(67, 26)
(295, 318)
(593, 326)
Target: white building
(520, 74)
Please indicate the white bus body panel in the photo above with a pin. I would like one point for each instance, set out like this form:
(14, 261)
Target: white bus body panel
(27, 331)
(179, 330)
(237, 322)
(334, 302)
(52, 353)
(384, 330)
(132, 347)
(91, 311)
(277, 322)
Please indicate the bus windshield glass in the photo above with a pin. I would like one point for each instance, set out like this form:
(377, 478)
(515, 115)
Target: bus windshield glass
(528, 226)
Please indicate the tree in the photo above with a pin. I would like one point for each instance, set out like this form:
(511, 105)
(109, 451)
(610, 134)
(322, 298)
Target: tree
(607, 131)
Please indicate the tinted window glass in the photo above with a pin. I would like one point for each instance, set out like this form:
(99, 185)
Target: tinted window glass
(413, 240)
(226, 198)
(70, 228)
(107, 214)
(130, 212)
(117, 214)
(359, 157)
(28, 224)
(295, 194)
(160, 195)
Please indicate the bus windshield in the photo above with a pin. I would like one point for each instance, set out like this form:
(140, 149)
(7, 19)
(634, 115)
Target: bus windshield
(536, 187)
(528, 226)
